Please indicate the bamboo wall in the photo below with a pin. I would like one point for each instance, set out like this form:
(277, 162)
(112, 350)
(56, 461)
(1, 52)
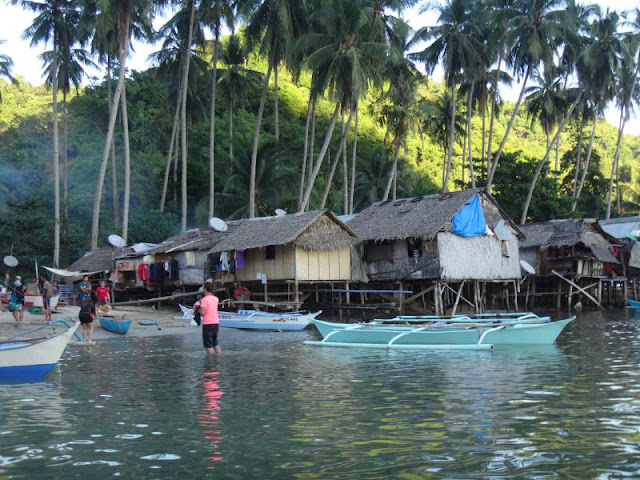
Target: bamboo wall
(323, 265)
(477, 258)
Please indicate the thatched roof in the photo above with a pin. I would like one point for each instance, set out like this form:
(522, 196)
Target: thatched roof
(421, 217)
(557, 233)
(98, 260)
(318, 230)
(202, 239)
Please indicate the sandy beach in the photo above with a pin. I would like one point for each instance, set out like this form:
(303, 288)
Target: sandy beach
(167, 324)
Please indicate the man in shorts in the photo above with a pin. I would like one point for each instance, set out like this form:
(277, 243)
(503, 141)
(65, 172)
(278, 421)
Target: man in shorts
(210, 321)
(45, 291)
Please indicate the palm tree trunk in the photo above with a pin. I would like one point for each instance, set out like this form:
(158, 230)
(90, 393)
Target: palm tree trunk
(452, 124)
(56, 163)
(114, 171)
(305, 152)
(341, 148)
(556, 138)
(256, 141)
(394, 167)
(312, 143)
(212, 126)
(318, 162)
(127, 165)
(494, 164)
(469, 106)
(185, 83)
(345, 181)
(574, 188)
(587, 160)
(124, 50)
(492, 115)
(353, 163)
(484, 132)
(276, 115)
(230, 121)
(65, 166)
(172, 143)
(464, 154)
(616, 157)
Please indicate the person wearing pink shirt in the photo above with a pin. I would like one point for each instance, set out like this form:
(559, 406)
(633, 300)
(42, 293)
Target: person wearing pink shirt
(210, 321)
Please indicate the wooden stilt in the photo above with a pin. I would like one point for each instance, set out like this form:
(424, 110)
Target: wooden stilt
(516, 290)
(597, 302)
(348, 295)
(401, 301)
(526, 298)
(569, 298)
(559, 296)
(455, 305)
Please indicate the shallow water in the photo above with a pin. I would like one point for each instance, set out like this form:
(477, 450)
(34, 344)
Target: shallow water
(273, 407)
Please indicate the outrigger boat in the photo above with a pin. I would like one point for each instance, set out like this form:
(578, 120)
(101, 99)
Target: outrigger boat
(633, 304)
(440, 333)
(498, 317)
(257, 320)
(115, 325)
(34, 357)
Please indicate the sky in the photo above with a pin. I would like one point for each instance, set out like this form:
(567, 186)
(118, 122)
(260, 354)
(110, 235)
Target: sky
(14, 20)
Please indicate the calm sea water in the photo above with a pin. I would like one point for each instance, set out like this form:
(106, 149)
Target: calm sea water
(272, 407)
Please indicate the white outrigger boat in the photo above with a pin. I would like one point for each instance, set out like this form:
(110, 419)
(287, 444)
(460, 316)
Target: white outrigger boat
(257, 320)
(441, 333)
(34, 357)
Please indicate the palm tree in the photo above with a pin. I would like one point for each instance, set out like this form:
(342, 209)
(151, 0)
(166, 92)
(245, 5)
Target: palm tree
(534, 33)
(345, 61)
(545, 102)
(215, 14)
(455, 43)
(48, 27)
(123, 13)
(6, 64)
(274, 24)
(235, 81)
(597, 67)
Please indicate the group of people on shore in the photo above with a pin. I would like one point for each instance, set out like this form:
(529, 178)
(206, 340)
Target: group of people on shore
(18, 292)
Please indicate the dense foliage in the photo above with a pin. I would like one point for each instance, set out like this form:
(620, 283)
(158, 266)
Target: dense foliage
(349, 65)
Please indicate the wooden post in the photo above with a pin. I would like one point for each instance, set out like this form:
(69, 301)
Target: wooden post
(455, 305)
(266, 299)
(526, 297)
(516, 289)
(559, 296)
(569, 298)
(296, 293)
(348, 295)
(401, 303)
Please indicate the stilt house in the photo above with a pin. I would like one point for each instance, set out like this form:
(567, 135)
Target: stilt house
(570, 255)
(443, 239)
(310, 247)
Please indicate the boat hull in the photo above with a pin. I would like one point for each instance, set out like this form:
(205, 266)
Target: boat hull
(27, 359)
(376, 334)
(633, 304)
(254, 320)
(115, 326)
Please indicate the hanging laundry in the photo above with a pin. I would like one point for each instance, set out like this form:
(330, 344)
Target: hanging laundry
(239, 260)
(224, 260)
(143, 273)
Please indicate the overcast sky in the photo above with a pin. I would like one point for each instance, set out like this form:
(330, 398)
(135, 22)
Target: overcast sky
(14, 20)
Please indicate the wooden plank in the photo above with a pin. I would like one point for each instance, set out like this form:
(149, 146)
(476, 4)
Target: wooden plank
(455, 305)
(578, 287)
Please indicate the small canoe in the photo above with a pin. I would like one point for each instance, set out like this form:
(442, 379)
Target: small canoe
(36, 357)
(115, 325)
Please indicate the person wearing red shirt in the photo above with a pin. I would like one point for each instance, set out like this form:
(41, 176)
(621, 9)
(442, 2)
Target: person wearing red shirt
(102, 294)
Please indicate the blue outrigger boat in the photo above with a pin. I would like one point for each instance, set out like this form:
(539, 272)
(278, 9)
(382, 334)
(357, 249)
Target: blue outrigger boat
(633, 304)
(115, 325)
(441, 333)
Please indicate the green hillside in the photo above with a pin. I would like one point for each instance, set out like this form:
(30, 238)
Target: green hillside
(26, 189)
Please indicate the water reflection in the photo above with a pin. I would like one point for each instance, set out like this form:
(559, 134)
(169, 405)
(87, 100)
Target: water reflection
(208, 416)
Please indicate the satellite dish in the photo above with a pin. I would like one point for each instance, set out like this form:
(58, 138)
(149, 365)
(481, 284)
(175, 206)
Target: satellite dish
(116, 241)
(10, 261)
(280, 212)
(526, 266)
(218, 224)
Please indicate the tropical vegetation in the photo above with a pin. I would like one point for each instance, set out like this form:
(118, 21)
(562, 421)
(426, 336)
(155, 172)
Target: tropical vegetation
(253, 105)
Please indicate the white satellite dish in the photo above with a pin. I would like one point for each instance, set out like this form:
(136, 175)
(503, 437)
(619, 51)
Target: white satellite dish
(116, 241)
(10, 261)
(218, 224)
(526, 266)
(280, 212)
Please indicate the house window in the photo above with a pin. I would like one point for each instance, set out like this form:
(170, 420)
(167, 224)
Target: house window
(190, 259)
(270, 252)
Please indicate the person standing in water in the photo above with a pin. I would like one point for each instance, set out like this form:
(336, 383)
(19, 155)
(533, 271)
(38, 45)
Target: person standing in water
(86, 315)
(210, 321)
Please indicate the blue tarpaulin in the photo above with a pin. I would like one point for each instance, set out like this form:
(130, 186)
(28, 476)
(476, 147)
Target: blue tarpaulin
(469, 221)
